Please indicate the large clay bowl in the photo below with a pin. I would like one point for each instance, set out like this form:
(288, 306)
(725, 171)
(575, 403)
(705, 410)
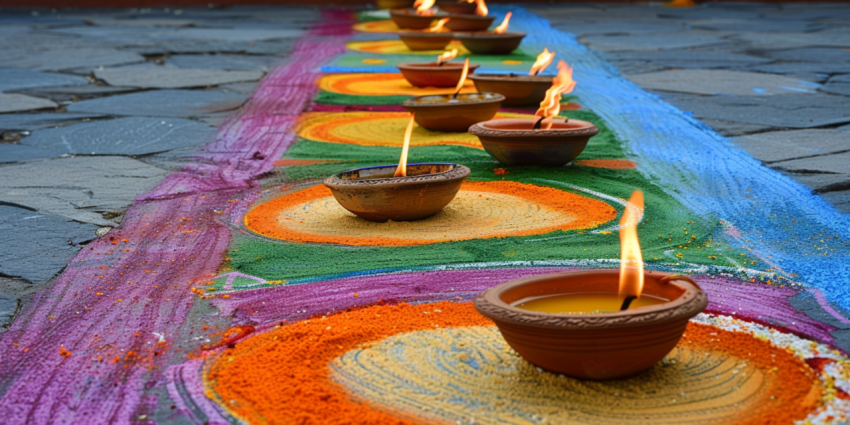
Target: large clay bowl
(432, 74)
(426, 40)
(469, 22)
(457, 7)
(375, 195)
(443, 113)
(408, 19)
(393, 4)
(488, 43)
(513, 142)
(593, 346)
(519, 90)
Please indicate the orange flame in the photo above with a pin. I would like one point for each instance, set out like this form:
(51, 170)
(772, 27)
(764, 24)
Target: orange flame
(423, 7)
(438, 26)
(468, 1)
(551, 104)
(447, 56)
(631, 260)
(481, 10)
(462, 76)
(543, 61)
(401, 170)
(504, 25)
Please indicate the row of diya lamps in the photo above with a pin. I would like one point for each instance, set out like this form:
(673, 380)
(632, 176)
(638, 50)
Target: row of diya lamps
(591, 324)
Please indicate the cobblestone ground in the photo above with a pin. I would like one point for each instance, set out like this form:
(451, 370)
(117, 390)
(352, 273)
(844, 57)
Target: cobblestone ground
(97, 107)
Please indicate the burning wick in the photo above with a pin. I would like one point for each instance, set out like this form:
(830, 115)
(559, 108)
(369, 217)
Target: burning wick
(504, 25)
(401, 170)
(462, 78)
(423, 7)
(481, 10)
(447, 56)
(439, 26)
(631, 260)
(551, 104)
(543, 61)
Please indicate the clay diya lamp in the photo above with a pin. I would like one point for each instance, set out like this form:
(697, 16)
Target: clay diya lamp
(458, 7)
(547, 140)
(409, 19)
(435, 74)
(432, 38)
(519, 90)
(478, 21)
(398, 192)
(496, 42)
(456, 112)
(583, 325)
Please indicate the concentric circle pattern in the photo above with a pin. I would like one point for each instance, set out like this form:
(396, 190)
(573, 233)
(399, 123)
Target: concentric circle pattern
(378, 84)
(397, 47)
(480, 210)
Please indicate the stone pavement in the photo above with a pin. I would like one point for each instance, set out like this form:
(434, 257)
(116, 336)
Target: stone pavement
(97, 107)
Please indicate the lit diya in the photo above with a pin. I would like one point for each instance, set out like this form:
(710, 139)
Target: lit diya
(519, 90)
(596, 324)
(547, 140)
(496, 42)
(460, 7)
(479, 21)
(403, 192)
(419, 18)
(454, 112)
(441, 73)
(431, 38)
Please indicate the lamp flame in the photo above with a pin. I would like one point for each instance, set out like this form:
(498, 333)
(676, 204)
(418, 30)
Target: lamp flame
(438, 26)
(462, 76)
(447, 56)
(467, 1)
(401, 170)
(543, 61)
(551, 104)
(631, 260)
(423, 7)
(504, 25)
(481, 10)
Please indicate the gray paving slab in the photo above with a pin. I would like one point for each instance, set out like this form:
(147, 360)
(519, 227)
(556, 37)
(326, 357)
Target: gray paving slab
(13, 102)
(149, 47)
(83, 188)
(820, 182)
(62, 59)
(618, 27)
(122, 136)
(780, 111)
(240, 88)
(720, 81)
(167, 77)
(817, 54)
(836, 164)
(777, 146)
(76, 93)
(36, 246)
(226, 62)
(16, 152)
(841, 200)
(814, 71)
(140, 22)
(623, 43)
(162, 103)
(839, 84)
(132, 34)
(666, 59)
(752, 25)
(833, 37)
(8, 308)
(35, 121)
(733, 128)
(19, 78)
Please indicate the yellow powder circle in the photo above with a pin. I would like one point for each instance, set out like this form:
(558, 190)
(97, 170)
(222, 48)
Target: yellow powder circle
(379, 129)
(511, 62)
(381, 84)
(371, 61)
(396, 47)
(376, 26)
(480, 210)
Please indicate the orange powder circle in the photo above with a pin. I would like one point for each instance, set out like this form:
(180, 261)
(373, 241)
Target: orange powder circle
(379, 129)
(614, 164)
(376, 26)
(481, 210)
(381, 84)
(283, 376)
(396, 47)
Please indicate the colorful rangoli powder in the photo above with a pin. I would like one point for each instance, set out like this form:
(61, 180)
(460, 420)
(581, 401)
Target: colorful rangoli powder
(614, 164)
(387, 26)
(396, 47)
(481, 210)
(381, 85)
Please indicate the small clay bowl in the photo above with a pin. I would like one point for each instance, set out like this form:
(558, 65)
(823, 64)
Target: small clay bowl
(513, 142)
(458, 8)
(375, 195)
(417, 40)
(433, 75)
(490, 43)
(408, 19)
(393, 4)
(593, 346)
(444, 113)
(519, 90)
(469, 22)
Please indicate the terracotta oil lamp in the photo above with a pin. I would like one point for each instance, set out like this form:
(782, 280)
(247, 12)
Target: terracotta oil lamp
(462, 7)
(547, 140)
(596, 324)
(419, 18)
(431, 38)
(441, 73)
(496, 42)
(477, 21)
(456, 112)
(519, 90)
(403, 192)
